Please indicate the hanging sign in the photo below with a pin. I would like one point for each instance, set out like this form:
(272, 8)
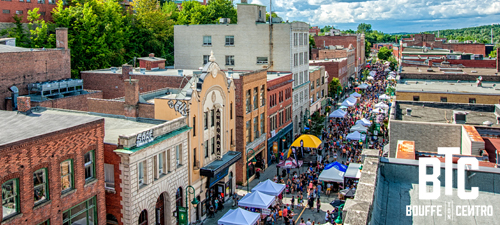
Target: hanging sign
(218, 135)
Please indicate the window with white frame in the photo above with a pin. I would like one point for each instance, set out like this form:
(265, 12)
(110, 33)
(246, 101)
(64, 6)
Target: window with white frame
(262, 60)
(306, 38)
(161, 163)
(229, 60)
(229, 40)
(140, 170)
(205, 59)
(301, 55)
(301, 77)
(89, 160)
(207, 40)
(67, 175)
(109, 176)
(295, 80)
(178, 155)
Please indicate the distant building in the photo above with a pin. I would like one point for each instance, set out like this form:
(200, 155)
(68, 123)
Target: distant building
(319, 89)
(339, 68)
(356, 40)
(21, 8)
(314, 31)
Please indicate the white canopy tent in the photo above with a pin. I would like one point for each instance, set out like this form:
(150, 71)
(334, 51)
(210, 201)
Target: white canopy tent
(256, 199)
(332, 175)
(384, 97)
(270, 188)
(354, 136)
(363, 86)
(378, 110)
(387, 70)
(339, 113)
(370, 78)
(373, 73)
(353, 171)
(364, 122)
(359, 128)
(381, 105)
(239, 216)
(356, 95)
(352, 99)
(348, 103)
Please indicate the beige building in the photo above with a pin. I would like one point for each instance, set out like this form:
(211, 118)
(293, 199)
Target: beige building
(251, 44)
(318, 87)
(208, 102)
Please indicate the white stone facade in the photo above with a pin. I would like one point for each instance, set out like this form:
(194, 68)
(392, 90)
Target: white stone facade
(137, 197)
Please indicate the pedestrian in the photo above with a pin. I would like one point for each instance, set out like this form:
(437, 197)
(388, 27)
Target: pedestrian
(309, 221)
(302, 222)
(211, 211)
(292, 201)
(318, 204)
(216, 201)
(327, 216)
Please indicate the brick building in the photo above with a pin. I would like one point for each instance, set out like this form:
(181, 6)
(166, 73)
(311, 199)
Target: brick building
(20, 8)
(335, 68)
(44, 65)
(314, 31)
(251, 120)
(356, 40)
(52, 168)
(319, 88)
(279, 112)
(430, 41)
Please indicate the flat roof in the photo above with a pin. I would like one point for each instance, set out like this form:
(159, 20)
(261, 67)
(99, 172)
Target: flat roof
(448, 86)
(8, 48)
(328, 60)
(430, 113)
(136, 71)
(274, 75)
(114, 126)
(467, 70)
(17, 126)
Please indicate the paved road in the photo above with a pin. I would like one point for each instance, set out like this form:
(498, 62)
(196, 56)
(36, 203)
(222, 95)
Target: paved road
(269, 173)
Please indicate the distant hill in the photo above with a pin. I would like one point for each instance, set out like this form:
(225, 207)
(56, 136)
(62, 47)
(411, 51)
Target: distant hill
(480, 34)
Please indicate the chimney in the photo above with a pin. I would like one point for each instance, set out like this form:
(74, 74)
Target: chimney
(131, 97)
(24, 104)
(151, 55)
(126, 70)
(498, 60)
(62, 37)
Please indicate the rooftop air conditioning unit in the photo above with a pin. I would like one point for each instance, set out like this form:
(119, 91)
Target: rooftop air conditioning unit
(180, 72)
(459, 117)
(224, 20)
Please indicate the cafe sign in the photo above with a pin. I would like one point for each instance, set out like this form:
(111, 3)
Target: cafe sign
(144, 138)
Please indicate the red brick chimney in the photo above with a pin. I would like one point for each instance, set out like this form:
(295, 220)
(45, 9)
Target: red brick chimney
(126, 70)
(23, 104)
(498, 60)
(62, 37)
(131, 97)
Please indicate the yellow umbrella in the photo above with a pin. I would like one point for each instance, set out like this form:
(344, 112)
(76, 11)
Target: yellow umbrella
(307, 141)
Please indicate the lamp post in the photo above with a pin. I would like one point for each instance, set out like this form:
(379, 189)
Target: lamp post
(249, 154)
(194, 202)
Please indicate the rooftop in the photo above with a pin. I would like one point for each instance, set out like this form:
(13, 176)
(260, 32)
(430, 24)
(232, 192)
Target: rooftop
(114, 126)
(17, 127)
(448, 86)
(276, 75)
(327, 60)
(441, 112)
(436, 70)
(136, 71)
(8, 48)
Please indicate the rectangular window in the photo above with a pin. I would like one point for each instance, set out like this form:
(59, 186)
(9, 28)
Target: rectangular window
(168, 161)
(40, 186)
(248, 97)
(213, 145)
(67, 175)
(416, 98)
(46, 222)
(52, 1)
(262, 98)
(317, 83)
(6, 11)
(255, 98)
(205, 120)
(247, 134)
(195, 163)
(89, 160)
(10, 198)
(194, 126)
(43, 14)
(231, 111)
(212, 116)
(444, 99)
(19, 12)
(109, 176)
(472, 100)
(301, 60)
(206, 149)
(161, 163)
(256, 128)
(312, 85)
(301, 78)
(41, 1)
(262, 60)
(83, 213)
(262, 123)
(205, 59)
(207, 40)
(140, 170)
(232, 142)
(295, 79)
(178, 155)
(229, 40)
(301, 39)
(229, 60)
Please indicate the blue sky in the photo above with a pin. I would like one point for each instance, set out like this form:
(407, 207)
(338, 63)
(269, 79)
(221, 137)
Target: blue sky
(389, 16)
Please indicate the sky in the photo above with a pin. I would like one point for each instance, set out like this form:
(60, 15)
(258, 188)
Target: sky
(388, 16)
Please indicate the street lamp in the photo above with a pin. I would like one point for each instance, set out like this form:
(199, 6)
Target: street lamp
(250, 152)
(194, 202)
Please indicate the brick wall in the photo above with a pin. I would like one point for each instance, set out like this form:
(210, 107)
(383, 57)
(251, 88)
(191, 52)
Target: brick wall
(441, 76)
(430, 135)
(322, 41)
(112, 84)
(467, 63)
(146, 110)
(113, 199)
(21, 159)
(279, 106)
(23, 68)
(106, 106)
(77, 102)
(335, 69)
(24, 6)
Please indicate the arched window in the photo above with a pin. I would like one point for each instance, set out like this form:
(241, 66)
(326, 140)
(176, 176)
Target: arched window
(143, 218)
(111, 219)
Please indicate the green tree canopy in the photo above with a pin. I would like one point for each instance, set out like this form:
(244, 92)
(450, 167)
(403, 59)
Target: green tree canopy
(334, 87)
(384, 53)
(364, 28)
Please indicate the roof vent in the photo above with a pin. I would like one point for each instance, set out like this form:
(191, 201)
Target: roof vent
(459, 117)
(408, 111)
(180, 72)
(143, 70)
(113, 69)
(278, 74)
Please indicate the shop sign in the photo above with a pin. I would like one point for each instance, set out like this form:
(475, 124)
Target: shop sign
(219, 176)
(178, 106)
(217, 135)
(275, 147)
(144, 138)
(182, 215)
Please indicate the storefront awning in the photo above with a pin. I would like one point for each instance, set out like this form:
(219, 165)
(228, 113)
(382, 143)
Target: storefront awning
(217, 166)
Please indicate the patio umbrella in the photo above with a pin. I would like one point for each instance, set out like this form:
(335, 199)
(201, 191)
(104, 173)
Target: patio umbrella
(337, 202)
(356, 95)
(384, 97)
(307, 141)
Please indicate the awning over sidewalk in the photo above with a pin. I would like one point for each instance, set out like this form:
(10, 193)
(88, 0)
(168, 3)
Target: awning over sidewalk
(217, 166)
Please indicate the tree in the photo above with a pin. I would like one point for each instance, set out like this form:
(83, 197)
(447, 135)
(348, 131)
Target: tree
(334, 87)
(274, 16)
(18, 32)
(384, 53)
(364, 28)
(312, 43)
(317, 123)
(368, 47)
(221, 9)
(393, 62)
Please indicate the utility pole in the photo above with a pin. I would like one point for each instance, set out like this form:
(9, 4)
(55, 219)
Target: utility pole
(491, 34)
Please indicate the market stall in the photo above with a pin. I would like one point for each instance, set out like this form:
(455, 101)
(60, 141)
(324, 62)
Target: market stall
(356, 95)
(359, 128)
(365, 122)
(239, 216)
(339, 113)
(270, 188)
(257, 200)
(352, 174)
(333, 172)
